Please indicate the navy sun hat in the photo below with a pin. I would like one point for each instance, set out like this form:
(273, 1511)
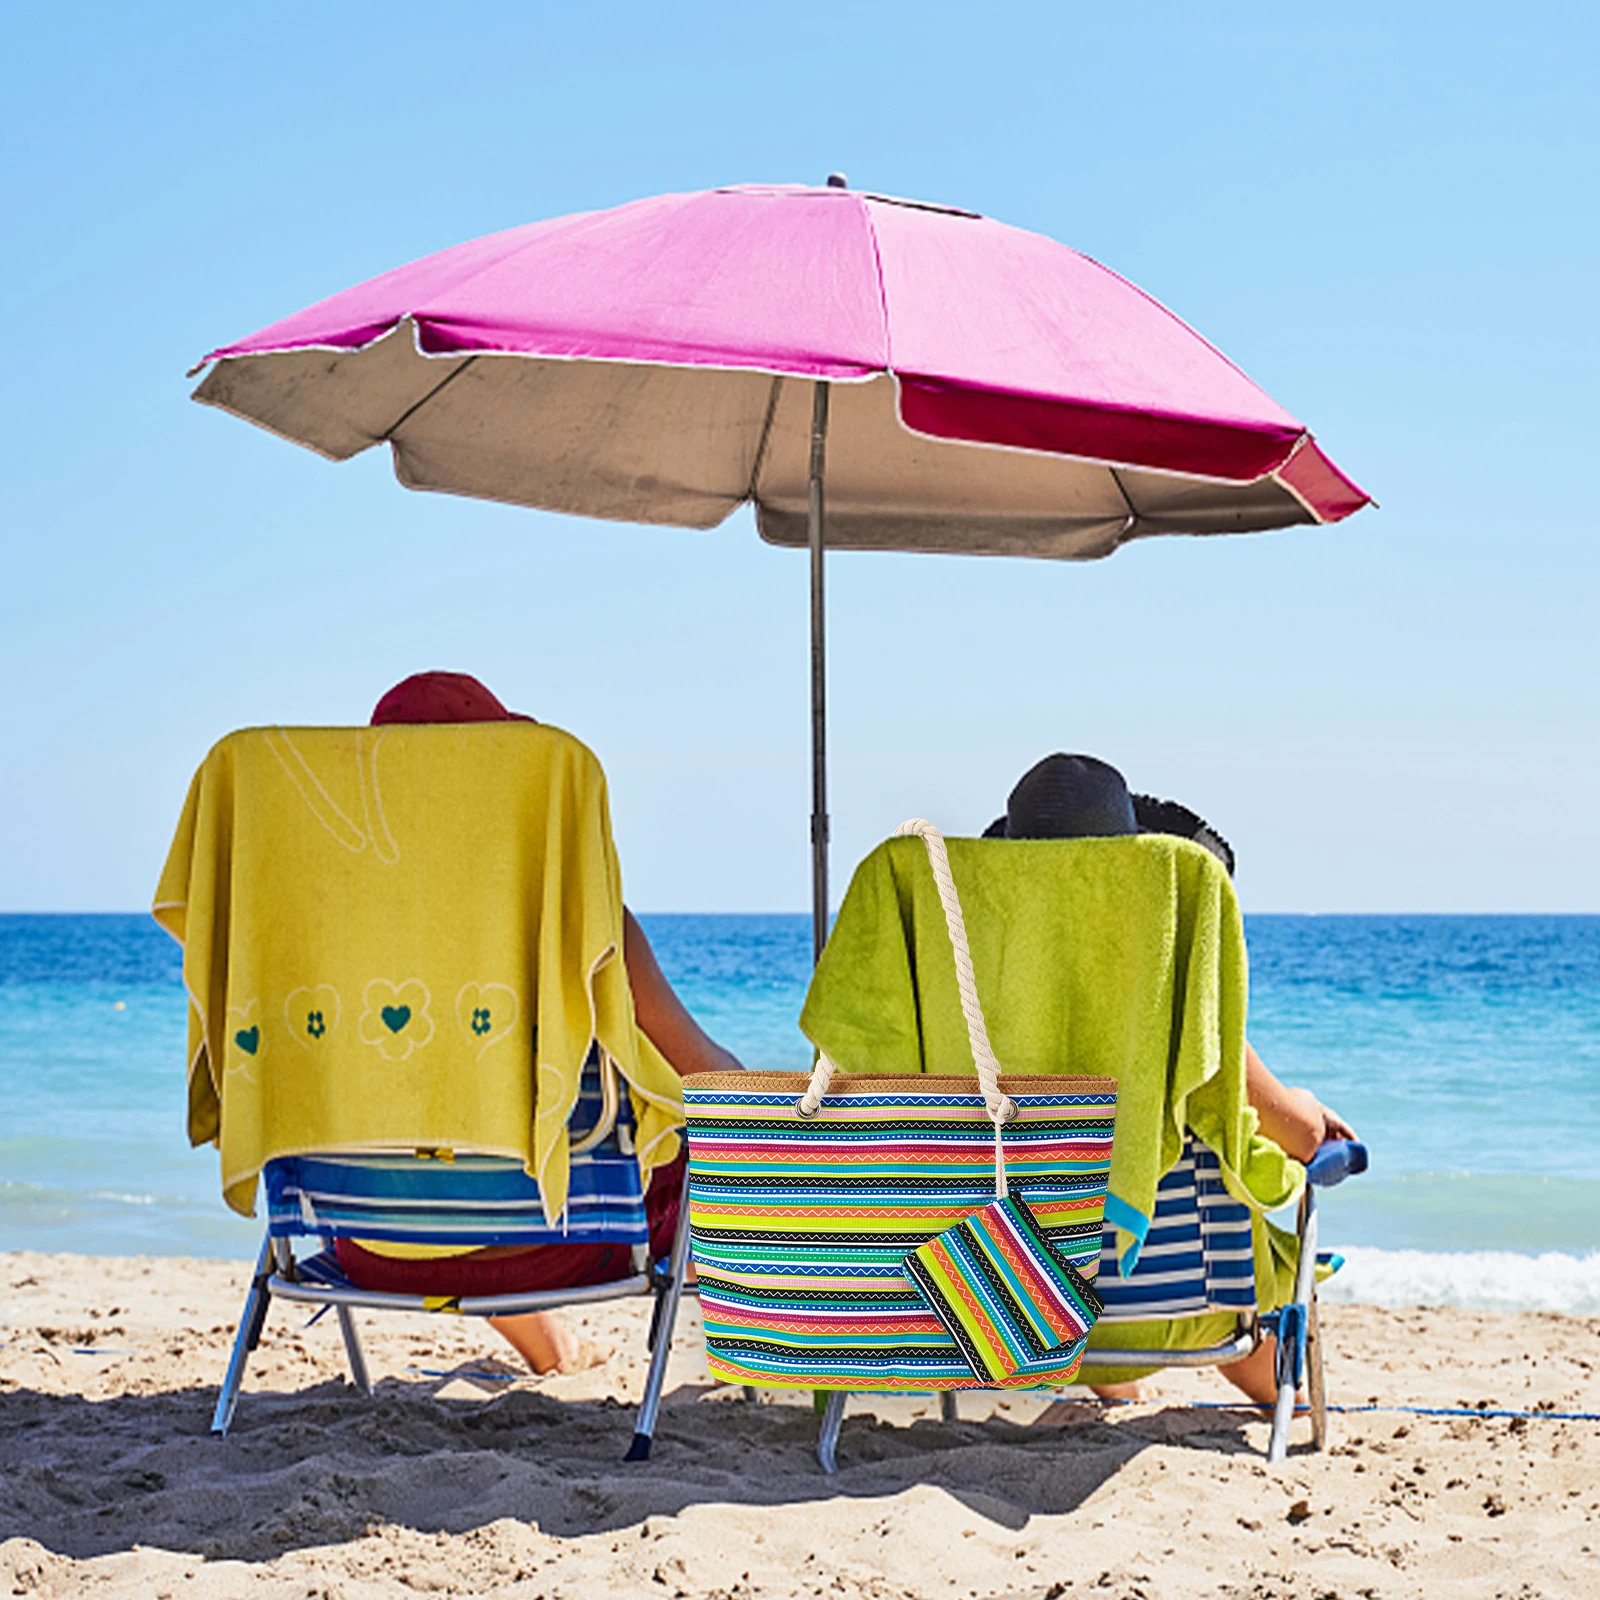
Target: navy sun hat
(1070, 797)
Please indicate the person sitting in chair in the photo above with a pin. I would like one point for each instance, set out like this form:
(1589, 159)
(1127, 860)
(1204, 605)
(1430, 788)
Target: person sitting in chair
(1077, 796)
(541, 1338)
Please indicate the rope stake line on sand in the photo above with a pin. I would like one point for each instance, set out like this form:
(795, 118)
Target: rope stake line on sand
(491, 1377)
(1473, 1411)
(1484, 1412)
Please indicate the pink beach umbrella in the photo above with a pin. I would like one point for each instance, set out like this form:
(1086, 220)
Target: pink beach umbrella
(952, 383)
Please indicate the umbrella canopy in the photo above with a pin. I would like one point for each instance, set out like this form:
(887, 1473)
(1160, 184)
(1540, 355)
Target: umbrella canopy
(635, 364)
(957, 384)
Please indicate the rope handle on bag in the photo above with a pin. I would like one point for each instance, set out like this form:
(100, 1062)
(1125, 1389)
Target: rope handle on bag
(1001, 1107)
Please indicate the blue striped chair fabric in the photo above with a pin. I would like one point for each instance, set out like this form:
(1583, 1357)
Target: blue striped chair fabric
(1197, 1256)
(470, 1200)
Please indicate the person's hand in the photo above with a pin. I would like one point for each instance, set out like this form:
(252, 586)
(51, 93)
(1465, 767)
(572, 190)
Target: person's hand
(1335, 1127)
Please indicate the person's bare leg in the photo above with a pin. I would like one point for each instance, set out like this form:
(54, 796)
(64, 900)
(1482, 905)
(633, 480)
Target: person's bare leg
(1257, 1373)
(547, 1344)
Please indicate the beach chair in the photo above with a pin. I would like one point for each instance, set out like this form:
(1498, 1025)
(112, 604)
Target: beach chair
(884, 996)
(447, 897)
(1197, 1259)
(465, 1200)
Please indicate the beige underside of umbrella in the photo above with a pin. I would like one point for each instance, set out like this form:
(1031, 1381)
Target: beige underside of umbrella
(685, 446)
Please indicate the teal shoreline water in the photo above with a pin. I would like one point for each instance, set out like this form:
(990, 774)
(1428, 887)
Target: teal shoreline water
(1466, 1050)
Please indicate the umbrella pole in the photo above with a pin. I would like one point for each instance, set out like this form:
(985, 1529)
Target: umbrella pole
(816, 539)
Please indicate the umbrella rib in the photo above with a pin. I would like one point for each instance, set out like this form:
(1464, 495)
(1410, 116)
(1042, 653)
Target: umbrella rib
(766, 435)
(1127, 499)
(411, 410)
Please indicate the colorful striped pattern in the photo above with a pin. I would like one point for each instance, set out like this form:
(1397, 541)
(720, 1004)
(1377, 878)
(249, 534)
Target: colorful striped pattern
(800, 1226)
(1197, 1257)
(471, 1200)
(1002, 1291)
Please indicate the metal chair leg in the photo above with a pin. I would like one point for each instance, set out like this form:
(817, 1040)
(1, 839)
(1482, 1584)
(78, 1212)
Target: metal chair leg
(828, 1438)
(352, 1349)
(1282, 1415)
(664, 1322)
(251, 1321)
(1293, 1329)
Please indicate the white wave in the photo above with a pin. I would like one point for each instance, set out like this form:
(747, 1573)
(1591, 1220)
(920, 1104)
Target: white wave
(1478, 1280)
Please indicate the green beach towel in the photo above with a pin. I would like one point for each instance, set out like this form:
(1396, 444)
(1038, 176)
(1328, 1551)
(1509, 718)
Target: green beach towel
(1122, 957)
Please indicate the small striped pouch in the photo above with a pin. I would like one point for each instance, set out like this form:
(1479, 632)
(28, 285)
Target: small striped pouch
(1001, 1290)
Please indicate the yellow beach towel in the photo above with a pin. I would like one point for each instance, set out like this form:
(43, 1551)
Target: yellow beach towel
(400, 938)
(1123, 957)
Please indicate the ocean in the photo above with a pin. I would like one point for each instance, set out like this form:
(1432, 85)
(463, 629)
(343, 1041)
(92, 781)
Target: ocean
(1464, 1050)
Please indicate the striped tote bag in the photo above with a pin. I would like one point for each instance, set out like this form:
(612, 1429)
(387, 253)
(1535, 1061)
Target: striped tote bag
(806, 1195)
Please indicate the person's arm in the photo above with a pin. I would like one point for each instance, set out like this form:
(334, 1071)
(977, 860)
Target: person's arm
(663, 1016)
(1294, 1119)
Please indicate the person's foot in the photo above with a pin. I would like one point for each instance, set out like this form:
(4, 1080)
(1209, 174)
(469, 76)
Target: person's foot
(1119, 1391)
(584, 1354)
(548, 1345)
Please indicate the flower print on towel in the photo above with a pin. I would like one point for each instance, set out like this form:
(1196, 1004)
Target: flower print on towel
(312, 1014)
(247, 1040)
(486, 1013)
(396, 1018)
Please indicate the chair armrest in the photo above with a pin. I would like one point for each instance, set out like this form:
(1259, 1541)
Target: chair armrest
(1335, 1161)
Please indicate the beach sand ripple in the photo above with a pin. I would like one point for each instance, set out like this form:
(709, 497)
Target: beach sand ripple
(462, 1477)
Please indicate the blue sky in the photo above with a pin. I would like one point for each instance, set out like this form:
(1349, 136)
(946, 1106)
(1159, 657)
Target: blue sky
(1385, 213)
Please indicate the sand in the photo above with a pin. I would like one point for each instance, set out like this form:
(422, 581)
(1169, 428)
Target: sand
(450, 1482)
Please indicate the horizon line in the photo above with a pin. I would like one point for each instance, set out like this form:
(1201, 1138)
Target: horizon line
(806, 914)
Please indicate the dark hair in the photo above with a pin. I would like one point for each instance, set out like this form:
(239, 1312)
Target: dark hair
(1167, 816)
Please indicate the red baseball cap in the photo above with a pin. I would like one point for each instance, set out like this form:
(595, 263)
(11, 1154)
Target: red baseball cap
(442, 697)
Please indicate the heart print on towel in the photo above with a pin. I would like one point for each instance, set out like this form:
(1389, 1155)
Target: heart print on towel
(246, 1042)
